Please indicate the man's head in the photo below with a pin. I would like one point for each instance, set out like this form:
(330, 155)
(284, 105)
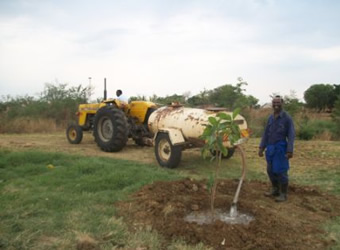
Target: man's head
(119, 92)
(277, 103)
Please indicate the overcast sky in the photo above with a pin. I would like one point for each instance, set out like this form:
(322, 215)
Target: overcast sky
(170, 46)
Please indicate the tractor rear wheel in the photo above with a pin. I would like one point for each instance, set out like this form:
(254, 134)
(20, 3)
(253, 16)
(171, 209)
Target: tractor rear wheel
(167, 154)
(110, 129)
(74, 134)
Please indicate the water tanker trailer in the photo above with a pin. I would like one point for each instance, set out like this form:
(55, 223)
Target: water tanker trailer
(175, 128)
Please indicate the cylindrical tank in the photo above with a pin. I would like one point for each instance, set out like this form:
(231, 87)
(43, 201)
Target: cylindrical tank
(190, 121)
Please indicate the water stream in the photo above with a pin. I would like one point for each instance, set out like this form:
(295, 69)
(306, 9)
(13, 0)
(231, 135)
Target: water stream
(226, 217)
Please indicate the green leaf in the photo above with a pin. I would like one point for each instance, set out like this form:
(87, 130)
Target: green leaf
(207, 131)
(236, 112)
(221, 148)
(211, 140)
(224, 116)
(236, 130)
(227, 123)
(213, 120)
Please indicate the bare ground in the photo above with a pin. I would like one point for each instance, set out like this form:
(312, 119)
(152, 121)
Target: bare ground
(295, 224)
(57, 142)
(307, 155)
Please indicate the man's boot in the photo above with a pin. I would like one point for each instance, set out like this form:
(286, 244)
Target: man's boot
(274, 191)
(283, 193)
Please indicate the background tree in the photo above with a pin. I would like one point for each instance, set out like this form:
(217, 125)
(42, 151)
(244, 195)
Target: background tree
(200, 99)
(57, 101)
(320, 96)
(232, 97)
(224, 96)
(292, 104)
(170, 99)
(62, 102)
(138, 98)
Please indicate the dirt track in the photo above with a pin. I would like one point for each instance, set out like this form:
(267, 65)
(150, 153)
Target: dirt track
(57, 142)
(307, 155)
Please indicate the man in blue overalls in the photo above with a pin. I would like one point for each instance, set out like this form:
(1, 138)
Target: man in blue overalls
(278, 140)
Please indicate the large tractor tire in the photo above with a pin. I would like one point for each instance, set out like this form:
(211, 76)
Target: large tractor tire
(110, 129)
(167, 154)
(74, 134)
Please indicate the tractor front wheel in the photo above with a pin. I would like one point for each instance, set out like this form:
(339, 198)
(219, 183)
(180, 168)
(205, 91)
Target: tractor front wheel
(74, 134)
(167, 154)
(110, 129)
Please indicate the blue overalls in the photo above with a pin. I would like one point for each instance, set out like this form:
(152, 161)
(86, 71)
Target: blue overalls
(278, 139)
(277, 162)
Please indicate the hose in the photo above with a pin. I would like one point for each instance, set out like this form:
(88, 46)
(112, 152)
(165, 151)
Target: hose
(233, 209)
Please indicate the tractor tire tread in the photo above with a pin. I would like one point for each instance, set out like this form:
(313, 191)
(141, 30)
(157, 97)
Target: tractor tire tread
(120, 137)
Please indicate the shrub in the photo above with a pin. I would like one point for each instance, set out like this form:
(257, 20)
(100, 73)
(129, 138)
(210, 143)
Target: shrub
(305, 132)
(56, 105)
(336, 116)
(310, 129)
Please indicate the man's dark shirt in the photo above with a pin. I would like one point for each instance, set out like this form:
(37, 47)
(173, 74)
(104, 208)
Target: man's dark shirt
(279, 129)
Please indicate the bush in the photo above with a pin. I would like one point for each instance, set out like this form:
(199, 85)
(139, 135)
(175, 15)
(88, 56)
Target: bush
(336, 116)
(310, 129)
(305, 132)
(56, 105)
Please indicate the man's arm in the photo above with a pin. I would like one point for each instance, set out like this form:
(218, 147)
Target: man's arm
(291, 138)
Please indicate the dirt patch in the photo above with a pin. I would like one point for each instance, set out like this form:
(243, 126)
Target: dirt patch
(308, 155)
(85, 242)
(295, 224)
(57, 142)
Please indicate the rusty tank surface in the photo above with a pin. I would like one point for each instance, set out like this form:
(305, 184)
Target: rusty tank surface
(176, 128)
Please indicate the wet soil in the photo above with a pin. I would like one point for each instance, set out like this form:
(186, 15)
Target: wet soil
(294, 224)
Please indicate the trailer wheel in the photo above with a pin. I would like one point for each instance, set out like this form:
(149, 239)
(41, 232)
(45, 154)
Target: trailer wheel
(167, 154)
(110, 129)
(229, 154)
(74, 134)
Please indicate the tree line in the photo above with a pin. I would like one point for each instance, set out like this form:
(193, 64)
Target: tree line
(60, 101)
(56, 101)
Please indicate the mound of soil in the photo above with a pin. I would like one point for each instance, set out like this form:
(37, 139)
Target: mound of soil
(295, 224)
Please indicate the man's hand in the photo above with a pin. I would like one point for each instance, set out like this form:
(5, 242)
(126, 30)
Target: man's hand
(261, 152)
(289, 155)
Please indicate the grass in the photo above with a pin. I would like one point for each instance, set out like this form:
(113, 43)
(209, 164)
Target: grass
(53, 200)
(62, 201)
(198, 168)
(333, 229)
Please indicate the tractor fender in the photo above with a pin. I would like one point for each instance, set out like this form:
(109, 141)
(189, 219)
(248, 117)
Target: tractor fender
(175, 135)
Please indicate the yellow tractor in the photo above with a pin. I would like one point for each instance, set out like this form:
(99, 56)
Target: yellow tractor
(112, 122)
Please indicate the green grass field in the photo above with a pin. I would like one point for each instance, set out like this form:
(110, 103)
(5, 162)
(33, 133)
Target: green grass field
(48, 200)
(62, 201)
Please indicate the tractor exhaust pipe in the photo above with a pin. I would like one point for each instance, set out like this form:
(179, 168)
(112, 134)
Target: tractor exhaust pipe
(105, 94)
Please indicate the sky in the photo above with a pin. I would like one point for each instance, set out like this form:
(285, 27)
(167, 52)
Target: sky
(169, 47)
